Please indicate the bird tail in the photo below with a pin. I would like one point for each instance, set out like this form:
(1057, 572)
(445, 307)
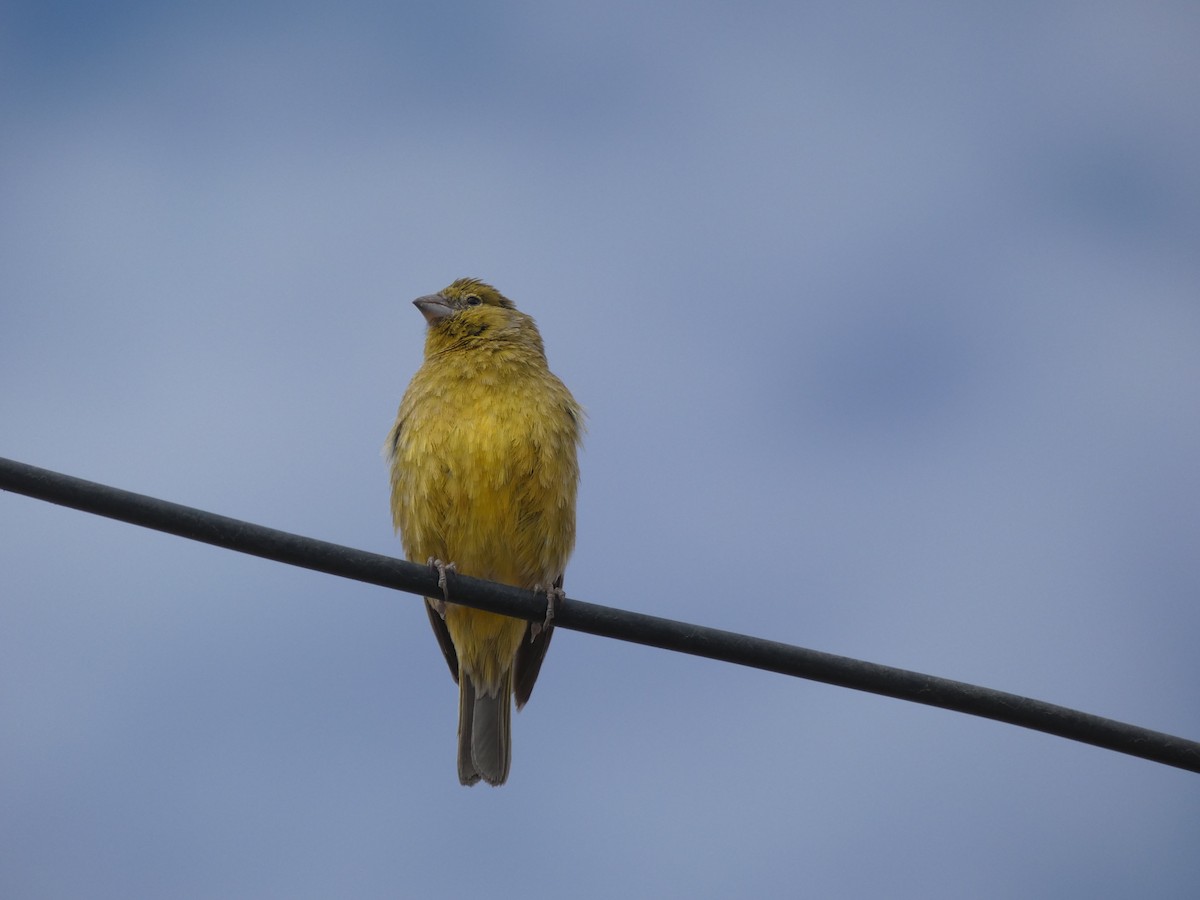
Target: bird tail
(484, 736)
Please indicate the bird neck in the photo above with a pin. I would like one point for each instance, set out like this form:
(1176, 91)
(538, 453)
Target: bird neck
(489, 359)
(480, 344)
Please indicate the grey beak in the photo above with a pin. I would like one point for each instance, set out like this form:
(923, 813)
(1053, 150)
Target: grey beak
(433, 307)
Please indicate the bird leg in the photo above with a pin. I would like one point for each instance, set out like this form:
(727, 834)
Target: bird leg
(554, 596)
(441, 568)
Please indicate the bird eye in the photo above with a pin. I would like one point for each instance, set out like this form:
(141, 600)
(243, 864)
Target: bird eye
(473, 300)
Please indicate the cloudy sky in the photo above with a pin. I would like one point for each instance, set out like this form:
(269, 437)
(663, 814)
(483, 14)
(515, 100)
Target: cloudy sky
(887, 321)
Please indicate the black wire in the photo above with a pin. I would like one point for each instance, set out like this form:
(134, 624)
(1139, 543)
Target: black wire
(604, 621)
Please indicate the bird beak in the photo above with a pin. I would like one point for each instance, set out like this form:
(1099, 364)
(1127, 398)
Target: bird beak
(433, 307)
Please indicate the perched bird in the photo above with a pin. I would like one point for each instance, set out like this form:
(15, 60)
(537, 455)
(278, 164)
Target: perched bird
(484, 473)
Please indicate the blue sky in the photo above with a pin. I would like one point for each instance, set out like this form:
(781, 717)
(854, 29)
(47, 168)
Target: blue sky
(886, 322)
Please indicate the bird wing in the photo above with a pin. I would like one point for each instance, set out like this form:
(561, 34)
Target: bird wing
(443, 636)
(529, 658)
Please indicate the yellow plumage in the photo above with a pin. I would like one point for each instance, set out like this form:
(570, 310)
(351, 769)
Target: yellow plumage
(484, 474)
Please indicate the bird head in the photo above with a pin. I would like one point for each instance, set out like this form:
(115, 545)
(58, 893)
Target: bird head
(469, 313)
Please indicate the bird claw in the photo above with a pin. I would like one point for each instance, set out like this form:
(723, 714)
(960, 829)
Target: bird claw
(554, 597)
(441, 568)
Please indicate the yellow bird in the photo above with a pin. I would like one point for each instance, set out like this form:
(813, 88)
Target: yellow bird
(484, 472)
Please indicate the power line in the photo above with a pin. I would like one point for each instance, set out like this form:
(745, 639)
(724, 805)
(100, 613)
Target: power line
(373, 568)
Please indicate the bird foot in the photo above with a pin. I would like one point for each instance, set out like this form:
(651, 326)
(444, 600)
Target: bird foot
(442, 569)
(554, 597)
